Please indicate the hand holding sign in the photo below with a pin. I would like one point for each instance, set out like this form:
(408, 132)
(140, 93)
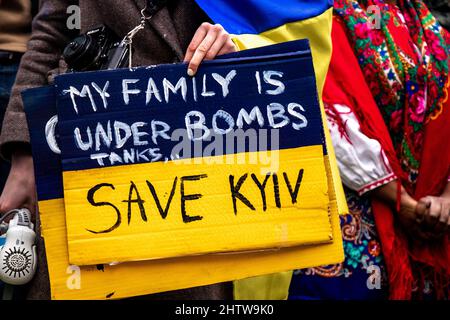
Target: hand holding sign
(236, 150)
(209, 41)
(144, 277)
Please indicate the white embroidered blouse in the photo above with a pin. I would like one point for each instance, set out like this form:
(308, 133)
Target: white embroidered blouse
(362, 162)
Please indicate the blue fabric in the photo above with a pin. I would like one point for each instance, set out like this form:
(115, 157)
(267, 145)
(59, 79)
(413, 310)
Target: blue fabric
(354, 279)
(317, 287)
(256, 16)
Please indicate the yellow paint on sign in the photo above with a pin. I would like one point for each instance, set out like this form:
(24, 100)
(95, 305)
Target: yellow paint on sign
(198, 215)
(146, 277)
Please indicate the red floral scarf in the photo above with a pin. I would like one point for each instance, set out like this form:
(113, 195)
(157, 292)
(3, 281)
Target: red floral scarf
(404, 59)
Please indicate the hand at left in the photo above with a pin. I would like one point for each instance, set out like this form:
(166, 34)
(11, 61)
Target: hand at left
(208, 42)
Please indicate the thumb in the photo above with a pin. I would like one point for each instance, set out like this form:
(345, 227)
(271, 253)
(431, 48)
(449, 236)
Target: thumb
(423, 205)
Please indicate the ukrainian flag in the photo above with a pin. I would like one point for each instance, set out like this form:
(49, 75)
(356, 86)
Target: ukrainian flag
(257, 23)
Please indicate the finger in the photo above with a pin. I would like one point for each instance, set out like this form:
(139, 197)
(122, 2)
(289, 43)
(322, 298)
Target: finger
(228, 47)
(202, 50)
(432, 216)
(221, 39)
(196, 40)
(442, 226)
(421, 209)
(448, 223)
(2, 206)
(5, 207)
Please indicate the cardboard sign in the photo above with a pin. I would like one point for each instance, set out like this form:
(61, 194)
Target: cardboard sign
(229, 160)
(145, 277)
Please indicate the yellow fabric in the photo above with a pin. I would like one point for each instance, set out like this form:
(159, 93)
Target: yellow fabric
(318, 31)
(268, 287)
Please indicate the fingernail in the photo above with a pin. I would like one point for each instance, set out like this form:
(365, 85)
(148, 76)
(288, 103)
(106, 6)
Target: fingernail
(190, 72)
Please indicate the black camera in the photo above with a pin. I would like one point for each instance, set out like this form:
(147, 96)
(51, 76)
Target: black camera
(97, 49)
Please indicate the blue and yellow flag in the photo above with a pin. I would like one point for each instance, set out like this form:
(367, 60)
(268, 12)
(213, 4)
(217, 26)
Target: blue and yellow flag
(256, 23)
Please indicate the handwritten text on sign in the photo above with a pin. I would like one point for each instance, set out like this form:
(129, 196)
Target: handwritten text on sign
(229, 160)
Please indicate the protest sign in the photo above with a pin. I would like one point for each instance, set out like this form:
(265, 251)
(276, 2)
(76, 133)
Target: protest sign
(129, 279)
(229, 160)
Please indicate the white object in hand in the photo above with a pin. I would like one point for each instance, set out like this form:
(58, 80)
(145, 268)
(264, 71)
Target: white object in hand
(18, 254)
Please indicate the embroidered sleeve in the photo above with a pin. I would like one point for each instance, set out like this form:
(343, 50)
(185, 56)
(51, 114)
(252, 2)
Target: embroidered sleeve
(361, 160)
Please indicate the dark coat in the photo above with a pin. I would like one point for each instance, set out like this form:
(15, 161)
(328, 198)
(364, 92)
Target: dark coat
(441, 10)
(164, 40)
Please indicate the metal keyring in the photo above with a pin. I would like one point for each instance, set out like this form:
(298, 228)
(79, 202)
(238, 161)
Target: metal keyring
(128, 39)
